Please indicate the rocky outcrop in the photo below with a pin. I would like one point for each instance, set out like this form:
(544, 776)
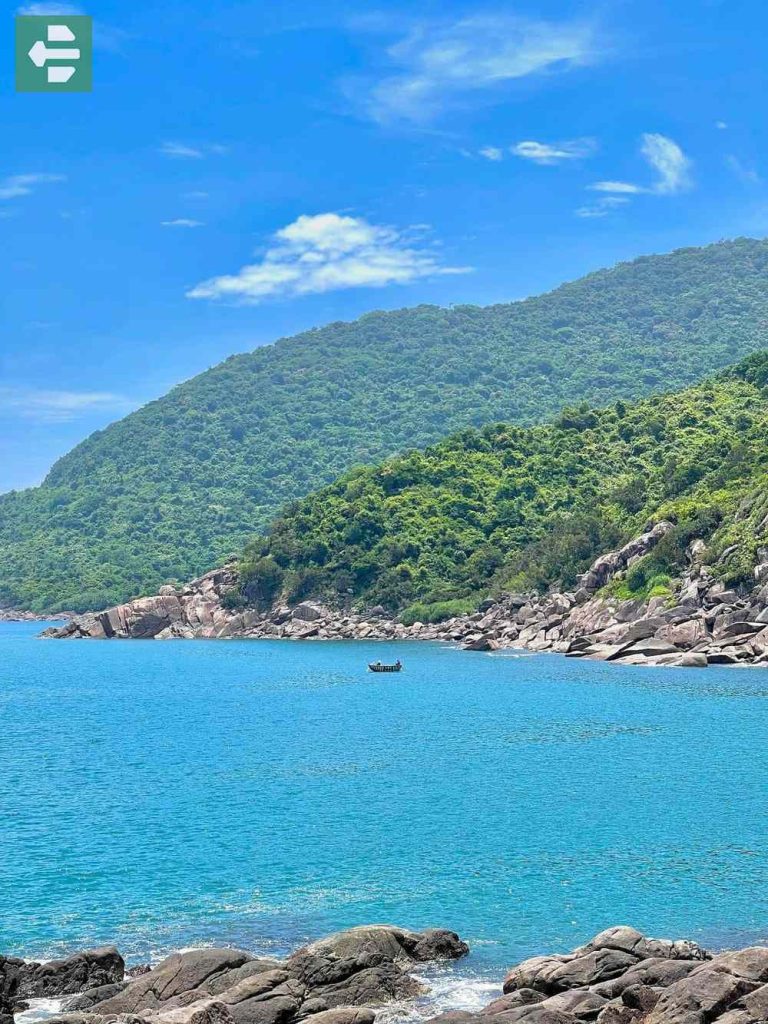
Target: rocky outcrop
(622, 977)
(194, 610)
(24, 979)
(396, 944)
(614, 953)
(699, 623)
(607, 566)
(337, 980)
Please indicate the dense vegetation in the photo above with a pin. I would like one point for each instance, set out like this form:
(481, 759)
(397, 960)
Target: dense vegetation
(177, 486)
(507, 506)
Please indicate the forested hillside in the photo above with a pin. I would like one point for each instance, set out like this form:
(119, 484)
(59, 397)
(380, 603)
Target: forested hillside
(521, 508)
(172, 489)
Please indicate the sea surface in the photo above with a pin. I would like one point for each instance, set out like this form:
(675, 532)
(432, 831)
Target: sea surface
(161, 795)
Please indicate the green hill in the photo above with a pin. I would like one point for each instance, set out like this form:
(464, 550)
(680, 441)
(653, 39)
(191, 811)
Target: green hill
(512, 507)
(172, 489)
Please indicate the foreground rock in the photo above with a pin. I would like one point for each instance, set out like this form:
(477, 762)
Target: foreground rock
(619, 977)
(622, 977)
(23, 979)
(338, 980)
(701, 623)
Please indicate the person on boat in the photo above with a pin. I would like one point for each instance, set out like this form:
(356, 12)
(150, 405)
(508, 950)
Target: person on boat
(398, 666)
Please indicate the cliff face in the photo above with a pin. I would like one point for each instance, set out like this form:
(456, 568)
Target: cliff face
(701, 623)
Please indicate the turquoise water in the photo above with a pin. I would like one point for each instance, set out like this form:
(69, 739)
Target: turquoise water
(160, 795)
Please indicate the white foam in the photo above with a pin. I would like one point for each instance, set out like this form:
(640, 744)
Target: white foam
(447, 991)
(40, 1010)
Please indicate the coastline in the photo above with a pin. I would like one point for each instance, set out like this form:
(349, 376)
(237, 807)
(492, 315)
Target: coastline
(384, 973)
(700, 623)
(18, 615)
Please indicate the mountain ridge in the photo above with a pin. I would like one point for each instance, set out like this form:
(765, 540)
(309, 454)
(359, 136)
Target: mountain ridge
(172, 489)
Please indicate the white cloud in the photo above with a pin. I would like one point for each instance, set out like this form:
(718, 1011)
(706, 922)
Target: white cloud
(666, 158)
(722, 125)
(591, 211)
(60, 406)
(327, 252)
(181, 222)
(602, 207)
(491, 153)
(178, 149)
(669, 162)
(24, 184)
(546, 154)
(439, 63)
(183, 151)
(625, 187)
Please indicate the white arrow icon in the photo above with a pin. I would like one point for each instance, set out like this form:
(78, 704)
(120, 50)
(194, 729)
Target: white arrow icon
(40, 54)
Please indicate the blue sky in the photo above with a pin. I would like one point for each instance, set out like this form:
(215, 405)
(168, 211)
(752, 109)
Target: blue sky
(243, 171)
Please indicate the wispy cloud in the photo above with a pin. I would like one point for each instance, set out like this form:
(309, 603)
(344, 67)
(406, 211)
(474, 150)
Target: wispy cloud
(439, 63)
(328, 252)
(625, 187)
(183, 151)
(24, 184)
(601, 207)
(182, 222)
(491, 153)
(179, 149)
(549, 154)
(670, 164)
(742, 171)
(60, 406)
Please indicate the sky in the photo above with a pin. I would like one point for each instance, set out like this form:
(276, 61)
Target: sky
(244, 171)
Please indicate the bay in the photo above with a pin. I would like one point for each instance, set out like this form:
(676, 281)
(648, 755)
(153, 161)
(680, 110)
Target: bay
(161, 795)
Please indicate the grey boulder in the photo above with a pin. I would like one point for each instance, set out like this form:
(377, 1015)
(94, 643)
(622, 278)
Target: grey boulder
(177, 974)
(20, 979)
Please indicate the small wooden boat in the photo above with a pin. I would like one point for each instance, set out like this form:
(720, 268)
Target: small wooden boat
(377, 666)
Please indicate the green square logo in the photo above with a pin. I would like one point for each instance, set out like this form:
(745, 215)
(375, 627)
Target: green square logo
(54, 53)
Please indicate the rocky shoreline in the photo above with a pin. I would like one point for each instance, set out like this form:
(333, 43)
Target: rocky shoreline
(700, 623)
(622, 977)
(16, 615)
(619, 977)
(337, 980)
